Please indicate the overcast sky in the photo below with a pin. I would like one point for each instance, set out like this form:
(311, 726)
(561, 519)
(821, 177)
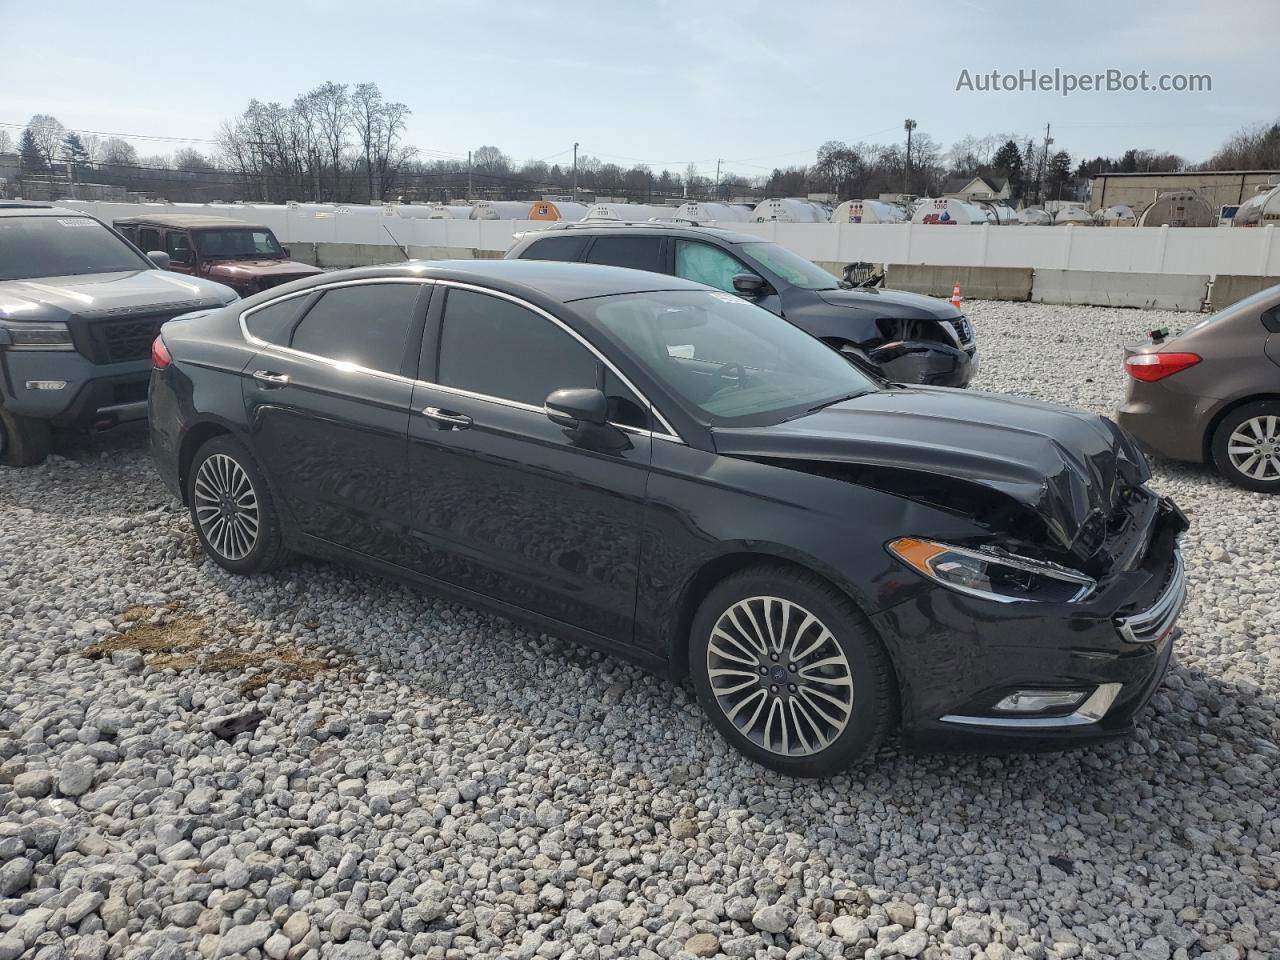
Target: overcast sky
(759, 83)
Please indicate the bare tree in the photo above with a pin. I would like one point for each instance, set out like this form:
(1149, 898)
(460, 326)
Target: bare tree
(48, 134)
(119, 152)
(6, 142)
(333, 114)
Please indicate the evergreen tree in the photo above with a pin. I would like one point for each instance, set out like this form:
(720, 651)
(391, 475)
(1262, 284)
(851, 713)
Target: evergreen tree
(73, 148)
(1008, 161)
(29, 152)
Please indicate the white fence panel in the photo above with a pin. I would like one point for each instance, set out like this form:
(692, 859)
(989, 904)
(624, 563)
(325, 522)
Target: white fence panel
(1182, 251)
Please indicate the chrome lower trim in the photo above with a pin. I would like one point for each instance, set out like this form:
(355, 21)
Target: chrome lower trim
(1156, 621)
(1091, 711)
(137, 410)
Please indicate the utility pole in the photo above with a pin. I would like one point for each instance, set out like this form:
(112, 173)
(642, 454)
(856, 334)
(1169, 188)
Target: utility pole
(908, 125)
(262, 164)
(1044, 162)
(575, 171)
(715, 195)
(468, 176)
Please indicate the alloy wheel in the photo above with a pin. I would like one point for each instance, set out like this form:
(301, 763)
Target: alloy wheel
(226, 507)
(1254, 448)
(780, 676)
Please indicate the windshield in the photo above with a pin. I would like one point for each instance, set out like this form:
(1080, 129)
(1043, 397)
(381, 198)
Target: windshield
(794, 269)
(238, 242)
(33, 247)
(731, 362)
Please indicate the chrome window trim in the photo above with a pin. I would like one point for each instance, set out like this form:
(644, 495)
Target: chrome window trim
(670, 435)
(1091, 711)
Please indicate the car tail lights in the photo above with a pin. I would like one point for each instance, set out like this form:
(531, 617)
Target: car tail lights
(1150, 367)
(160, 357)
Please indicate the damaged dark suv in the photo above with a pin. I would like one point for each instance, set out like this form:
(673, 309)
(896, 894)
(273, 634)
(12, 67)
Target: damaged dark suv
(903, 337)
(669, 473)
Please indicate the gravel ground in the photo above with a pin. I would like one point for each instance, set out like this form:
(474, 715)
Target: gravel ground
(418, 779)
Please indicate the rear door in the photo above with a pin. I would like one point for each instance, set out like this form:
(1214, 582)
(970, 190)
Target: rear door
(637, 252)
(329, 406)
(506, 503)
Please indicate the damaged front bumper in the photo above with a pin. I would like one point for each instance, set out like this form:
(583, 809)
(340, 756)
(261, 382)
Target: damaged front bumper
(926, 362)
(970, 667)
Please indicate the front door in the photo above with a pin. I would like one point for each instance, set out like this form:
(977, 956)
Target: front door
(506, 503)
(329, 408)
(182, 257)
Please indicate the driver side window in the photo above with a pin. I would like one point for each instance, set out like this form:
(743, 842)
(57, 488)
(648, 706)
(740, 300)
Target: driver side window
(178, 246)
(703, 263)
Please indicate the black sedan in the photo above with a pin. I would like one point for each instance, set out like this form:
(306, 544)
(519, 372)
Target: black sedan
(667, 472)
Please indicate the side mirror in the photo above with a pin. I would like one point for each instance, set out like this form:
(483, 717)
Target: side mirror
(748, 285)
(285, 250)
(159, 258)
(572, 408)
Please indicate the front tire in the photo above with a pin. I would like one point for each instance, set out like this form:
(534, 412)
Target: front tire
(1246, 447)
(790, 672)
(232, 510)
(24, 442)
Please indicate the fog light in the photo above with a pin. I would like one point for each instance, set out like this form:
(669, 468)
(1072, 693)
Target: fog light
(46, 384)
(1039, 701)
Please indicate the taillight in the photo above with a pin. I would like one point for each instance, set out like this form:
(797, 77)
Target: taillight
(1150, 367)
(160, 357)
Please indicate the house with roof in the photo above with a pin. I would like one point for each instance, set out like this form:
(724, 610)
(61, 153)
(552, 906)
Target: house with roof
(985, 187)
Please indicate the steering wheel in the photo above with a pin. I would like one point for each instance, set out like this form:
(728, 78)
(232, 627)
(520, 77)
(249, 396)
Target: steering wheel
(726, 373)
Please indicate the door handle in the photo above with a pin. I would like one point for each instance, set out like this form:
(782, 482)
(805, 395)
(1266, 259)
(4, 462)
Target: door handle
(447, 419)
(270, 380)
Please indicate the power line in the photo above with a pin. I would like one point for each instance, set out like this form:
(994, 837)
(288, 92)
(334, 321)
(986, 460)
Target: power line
(125, 136)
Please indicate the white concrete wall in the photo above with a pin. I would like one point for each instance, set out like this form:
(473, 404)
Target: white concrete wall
(1185, 250)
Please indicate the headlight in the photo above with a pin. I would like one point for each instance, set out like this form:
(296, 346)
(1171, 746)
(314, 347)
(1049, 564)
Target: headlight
(1002, 577)
(51, 335)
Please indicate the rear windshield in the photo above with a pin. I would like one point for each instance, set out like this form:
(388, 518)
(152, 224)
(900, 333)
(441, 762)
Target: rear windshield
(62, 247)
(238, 242)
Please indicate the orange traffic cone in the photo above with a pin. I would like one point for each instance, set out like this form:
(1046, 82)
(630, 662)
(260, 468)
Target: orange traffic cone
(955, 296)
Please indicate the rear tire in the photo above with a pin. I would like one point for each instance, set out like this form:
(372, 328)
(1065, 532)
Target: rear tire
(790, 672)
(1246, 446)
(232, 510)
(24, 442)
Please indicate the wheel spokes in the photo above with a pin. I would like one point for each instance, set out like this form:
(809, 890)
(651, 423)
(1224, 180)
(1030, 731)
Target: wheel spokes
(225, 506)
(780, 676)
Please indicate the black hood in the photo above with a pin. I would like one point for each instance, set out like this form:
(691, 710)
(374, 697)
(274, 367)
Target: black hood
(908, 306)
(1071, 469)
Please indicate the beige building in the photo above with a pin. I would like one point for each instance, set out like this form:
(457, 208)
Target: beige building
(1218, 188)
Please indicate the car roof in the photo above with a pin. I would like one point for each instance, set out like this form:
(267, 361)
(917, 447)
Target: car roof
(188, 221)
(667, 228)
(559, 281)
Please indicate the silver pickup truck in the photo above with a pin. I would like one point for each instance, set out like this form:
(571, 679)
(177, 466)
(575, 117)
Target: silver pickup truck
(79, 308)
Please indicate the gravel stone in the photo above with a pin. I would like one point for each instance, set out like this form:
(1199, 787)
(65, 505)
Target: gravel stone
(703, 945)
(453, 786)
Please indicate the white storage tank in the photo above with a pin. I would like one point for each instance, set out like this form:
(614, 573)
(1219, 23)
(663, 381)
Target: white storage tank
(1034, 217)
(1117, 215)
(868, 211)
(430, 211)
(790, 210)
(500, 210)
(630, 212)
(949, 210)
(1259, 210)
(1072, 216)
(710, 211)
(1179, 208)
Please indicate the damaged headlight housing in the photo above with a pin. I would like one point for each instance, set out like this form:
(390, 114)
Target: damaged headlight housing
(1002, 577)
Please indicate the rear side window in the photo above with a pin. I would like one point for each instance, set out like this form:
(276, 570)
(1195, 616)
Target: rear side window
(499, 349)
(274, 322)
(149, 239)
(556, 248)
(365, 324)
(638, 253)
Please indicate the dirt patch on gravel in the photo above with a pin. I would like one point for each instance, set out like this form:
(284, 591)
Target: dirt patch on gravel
(182, 644)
